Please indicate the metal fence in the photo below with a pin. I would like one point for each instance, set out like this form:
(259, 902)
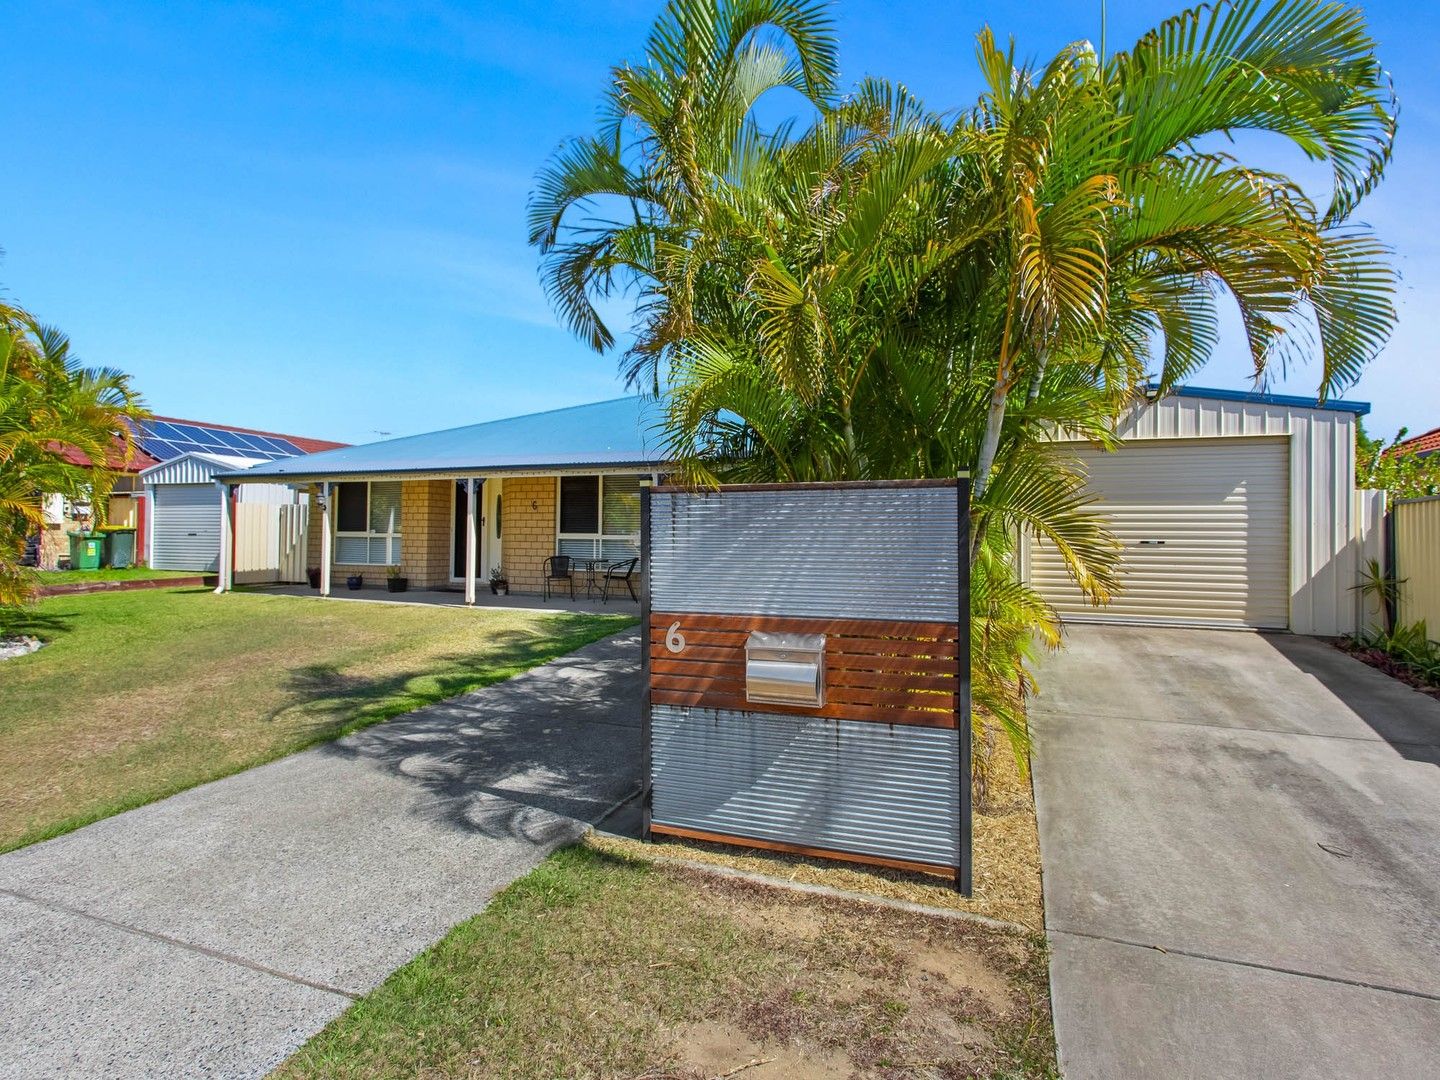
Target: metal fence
(1415, 534)
(270, 542)
(853, 594)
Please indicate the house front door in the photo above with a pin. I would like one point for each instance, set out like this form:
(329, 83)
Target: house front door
(490, 511)
(457, 532)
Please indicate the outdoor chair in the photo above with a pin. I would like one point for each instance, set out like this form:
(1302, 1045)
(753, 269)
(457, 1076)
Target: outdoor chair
(619, 571)
(557, 568)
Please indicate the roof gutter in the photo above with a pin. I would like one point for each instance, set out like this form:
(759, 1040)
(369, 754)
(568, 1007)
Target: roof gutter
(516, 471)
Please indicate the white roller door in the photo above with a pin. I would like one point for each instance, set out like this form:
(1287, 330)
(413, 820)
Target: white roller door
(1205, 526)
(187, 527)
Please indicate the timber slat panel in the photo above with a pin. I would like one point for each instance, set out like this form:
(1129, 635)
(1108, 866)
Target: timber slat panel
(881, 672)
(892, 680)
(839, 695)
(696, 699)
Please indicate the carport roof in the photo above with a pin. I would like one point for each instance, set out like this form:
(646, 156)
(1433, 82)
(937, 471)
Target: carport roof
(603, 434)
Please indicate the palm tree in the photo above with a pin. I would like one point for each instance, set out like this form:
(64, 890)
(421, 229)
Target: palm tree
(608, 208)
(884, 294)
(48, 403)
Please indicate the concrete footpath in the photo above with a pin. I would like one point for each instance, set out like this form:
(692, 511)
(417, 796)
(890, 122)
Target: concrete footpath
(212, 933)
(1241, 841)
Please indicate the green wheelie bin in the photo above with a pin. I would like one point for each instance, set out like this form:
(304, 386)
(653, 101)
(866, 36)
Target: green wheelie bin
(85, 550)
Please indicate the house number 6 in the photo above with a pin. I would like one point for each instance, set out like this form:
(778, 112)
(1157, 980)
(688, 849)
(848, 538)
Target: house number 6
(674, 640)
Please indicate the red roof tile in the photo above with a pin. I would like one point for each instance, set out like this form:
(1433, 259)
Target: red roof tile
(138, 460)
(1420, 444)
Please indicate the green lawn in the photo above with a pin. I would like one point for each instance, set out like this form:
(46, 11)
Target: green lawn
(139, 695)
(597, 965)
(129, 573)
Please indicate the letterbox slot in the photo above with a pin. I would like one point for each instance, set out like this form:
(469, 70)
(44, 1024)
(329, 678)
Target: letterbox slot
(785, 669)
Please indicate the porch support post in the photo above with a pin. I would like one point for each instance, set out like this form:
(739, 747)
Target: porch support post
(226, 563)
(325, 538)
(470, 540)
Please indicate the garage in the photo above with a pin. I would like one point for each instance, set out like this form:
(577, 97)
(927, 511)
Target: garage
(1205, 528)
(186, 527)
(1234, 510)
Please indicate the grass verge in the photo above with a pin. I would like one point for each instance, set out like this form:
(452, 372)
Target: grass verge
(139, 695)
(599, 965)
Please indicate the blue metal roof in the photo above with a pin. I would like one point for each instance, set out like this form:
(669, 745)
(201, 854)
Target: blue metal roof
(1359, 408)
(607, 433)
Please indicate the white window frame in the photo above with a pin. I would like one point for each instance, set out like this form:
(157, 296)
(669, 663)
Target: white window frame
(392, 539)
(597, 539)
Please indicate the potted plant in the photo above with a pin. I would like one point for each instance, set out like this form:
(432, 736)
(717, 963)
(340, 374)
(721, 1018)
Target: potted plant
(314, 575)
(355, 581)
(498, 585)
(395, 581)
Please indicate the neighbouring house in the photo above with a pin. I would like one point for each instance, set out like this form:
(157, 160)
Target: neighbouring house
(126, 509)
(563, 482)
(1235, 509)
(159, 487)
(1422, 445)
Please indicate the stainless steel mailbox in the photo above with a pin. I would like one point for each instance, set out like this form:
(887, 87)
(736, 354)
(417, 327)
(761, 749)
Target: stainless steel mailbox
(785, 669)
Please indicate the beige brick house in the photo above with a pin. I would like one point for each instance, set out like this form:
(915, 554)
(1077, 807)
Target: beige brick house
(564, 482)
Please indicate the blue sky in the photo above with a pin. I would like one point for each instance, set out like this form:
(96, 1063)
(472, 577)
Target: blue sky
(310, 217)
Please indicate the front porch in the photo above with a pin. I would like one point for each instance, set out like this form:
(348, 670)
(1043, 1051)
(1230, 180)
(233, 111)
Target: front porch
(617, 605)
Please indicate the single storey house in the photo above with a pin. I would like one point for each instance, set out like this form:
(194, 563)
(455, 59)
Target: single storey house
(449, 507)
(1234, 509)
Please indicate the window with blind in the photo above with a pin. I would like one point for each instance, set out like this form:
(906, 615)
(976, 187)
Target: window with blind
(367, 523)
(599, 517)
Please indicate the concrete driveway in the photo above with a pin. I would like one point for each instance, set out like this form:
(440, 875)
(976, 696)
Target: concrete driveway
(212, 933)
(1241, 840)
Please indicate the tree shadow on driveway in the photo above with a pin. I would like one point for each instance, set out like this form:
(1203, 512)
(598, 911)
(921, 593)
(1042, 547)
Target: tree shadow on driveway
(562, 739)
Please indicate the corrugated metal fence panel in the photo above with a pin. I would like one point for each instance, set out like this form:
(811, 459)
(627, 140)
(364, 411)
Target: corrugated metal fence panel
(859, 553)
(1370, 536)
(186, 529)
(841, 785)
(1417, 561)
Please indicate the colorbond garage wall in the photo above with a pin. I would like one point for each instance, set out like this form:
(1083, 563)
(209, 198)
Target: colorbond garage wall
(877, 770)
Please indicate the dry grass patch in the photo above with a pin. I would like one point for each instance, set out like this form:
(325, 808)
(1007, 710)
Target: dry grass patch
(1006, 871)
(598, 965)
(139, 695)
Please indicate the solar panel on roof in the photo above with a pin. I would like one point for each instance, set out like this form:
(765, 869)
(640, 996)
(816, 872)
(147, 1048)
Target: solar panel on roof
(229, 439)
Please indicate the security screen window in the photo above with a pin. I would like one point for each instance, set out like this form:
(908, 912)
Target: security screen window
(367, 523)
(599, 517)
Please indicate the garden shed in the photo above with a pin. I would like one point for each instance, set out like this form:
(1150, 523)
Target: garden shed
(185, 504)
(1234, 509)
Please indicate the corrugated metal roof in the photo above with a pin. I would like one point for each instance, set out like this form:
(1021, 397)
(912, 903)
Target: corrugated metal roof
(195, 468)
(607, 433)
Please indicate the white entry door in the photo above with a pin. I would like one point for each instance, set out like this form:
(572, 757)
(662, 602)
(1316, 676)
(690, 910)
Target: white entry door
(1205, 525)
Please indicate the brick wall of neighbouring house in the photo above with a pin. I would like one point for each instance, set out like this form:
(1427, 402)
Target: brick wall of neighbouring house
(529, 530)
